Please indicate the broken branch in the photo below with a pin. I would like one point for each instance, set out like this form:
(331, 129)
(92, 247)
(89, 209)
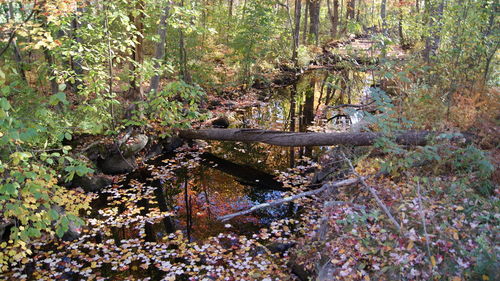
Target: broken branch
(291, 198)
(374, 194)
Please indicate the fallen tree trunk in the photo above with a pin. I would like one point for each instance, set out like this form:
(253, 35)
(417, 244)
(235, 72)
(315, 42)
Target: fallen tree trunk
(326, 186)
(281, 138)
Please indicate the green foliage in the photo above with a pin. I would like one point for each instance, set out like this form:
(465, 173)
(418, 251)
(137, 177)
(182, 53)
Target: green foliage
(437, 157)
(176, 106)
(486, 256)
(31, 155)
(254, 37)
(361, 218)
(354, 28)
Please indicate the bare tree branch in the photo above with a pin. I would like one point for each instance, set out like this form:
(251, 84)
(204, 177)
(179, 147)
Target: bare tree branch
(325, 187)
(422, 217)
(13, 33)
(374, 194)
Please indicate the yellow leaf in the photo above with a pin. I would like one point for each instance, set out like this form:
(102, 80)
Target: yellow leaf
(433, 261)
(485, 277)
(459, 208)
(410, 245)
(455, 236)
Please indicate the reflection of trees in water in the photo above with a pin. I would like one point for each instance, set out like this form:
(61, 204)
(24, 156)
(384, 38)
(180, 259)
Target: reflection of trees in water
(310, 97)
(211, 193)
(264, 157)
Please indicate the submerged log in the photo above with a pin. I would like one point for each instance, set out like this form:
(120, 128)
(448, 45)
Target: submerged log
(281, 138)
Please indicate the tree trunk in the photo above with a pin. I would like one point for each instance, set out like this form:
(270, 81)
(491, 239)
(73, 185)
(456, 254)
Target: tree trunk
(137, 92)
(54, 87)
(281, 138)
(17, 53)
(308, 112)
(351, 9)
(160, 47)
(230, 8)
(330, 16)
(183, 56)
(76, 63)
(491, 55)
(309, 105)
(432, 42)
(314, 9)
(293, 105)
(400, 25)
(383, 16)
(334, 17)
(296, 31)
(306, 12)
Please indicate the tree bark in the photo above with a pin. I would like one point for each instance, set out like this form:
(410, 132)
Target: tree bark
(160, 47)
(54, 87)
(230, 8)
(184, 73)
(314, 9)
(138, 53)
(281, 138)
(433, 41)
(351, 9)
(383, 16)
(293, 105)
(296, 32)
(306, 12)
(400, 24)
(17, 53)
(334, 17)
(76, 62)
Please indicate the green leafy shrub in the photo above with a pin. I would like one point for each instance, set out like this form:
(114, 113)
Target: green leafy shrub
(175, 106)
(32, 163)
(438, 157)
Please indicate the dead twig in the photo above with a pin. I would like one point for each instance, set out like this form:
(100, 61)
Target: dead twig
(422, 217)
(325, 187)
(374, 194)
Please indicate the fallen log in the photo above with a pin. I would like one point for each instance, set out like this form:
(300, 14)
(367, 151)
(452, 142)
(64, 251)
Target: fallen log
(326, 186)
(281, 138)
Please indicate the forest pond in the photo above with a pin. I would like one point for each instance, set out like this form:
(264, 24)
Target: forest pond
(132, 229)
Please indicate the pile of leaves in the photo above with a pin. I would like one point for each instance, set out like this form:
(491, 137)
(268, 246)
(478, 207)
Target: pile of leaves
(448, 230)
